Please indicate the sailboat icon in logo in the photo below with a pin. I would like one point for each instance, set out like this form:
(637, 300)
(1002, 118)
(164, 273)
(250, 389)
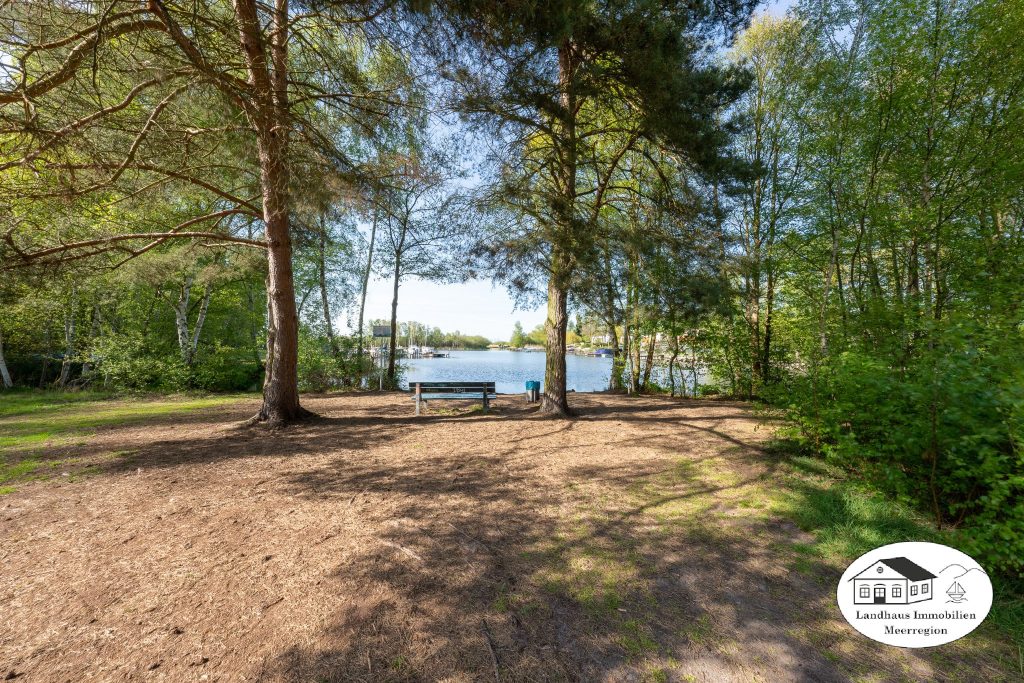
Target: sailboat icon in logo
(956, 592)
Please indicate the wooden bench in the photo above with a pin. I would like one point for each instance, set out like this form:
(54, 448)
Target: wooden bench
(461, 391)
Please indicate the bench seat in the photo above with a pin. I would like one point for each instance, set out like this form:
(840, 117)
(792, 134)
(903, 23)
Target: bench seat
(458, 391)
(461, 395)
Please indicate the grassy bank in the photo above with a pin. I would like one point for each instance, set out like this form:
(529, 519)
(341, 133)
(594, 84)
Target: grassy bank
(35, 425)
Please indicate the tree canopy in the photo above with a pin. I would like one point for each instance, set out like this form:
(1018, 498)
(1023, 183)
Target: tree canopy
(821, 211)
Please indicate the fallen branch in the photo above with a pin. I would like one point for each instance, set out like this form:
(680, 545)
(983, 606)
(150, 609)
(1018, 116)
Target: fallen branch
(490, 647)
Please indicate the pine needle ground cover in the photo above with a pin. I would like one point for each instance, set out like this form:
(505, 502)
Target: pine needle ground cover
(647, 539)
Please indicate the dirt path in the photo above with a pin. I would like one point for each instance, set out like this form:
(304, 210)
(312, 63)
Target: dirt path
(636, 542)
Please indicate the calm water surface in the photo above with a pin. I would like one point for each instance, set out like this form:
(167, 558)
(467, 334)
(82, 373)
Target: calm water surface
(509, 369)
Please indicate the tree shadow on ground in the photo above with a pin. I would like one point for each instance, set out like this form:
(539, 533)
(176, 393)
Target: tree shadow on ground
(632, 543)
(484, 574)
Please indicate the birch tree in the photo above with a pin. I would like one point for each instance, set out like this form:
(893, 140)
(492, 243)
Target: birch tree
(423, 222)
(5, 375)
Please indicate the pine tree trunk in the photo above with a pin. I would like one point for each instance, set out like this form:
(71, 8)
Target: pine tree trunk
(672, 367)
(611, 318)
(615, 381)
(268, 114)
(645, 384)
(280, 386)
(635, 348)
(627, 356)
(555, 399)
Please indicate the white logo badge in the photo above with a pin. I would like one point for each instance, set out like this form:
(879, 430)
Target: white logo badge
(914, 594)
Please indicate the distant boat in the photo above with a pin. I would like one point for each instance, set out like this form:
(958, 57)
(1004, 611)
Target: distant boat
(604, 352)
(956, 592)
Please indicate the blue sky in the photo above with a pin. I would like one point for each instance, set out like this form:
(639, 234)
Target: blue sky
(474, 307)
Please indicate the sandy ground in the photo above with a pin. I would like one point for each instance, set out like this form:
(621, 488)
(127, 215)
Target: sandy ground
(371, 545)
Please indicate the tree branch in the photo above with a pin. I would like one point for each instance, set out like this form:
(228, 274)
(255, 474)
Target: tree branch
(74, 59)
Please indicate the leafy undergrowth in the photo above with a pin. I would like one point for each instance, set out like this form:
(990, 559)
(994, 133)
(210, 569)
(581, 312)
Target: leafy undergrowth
(34, 424)
(849, 518)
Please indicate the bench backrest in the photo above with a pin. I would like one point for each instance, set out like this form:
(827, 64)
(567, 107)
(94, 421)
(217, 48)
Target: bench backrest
(455, 387)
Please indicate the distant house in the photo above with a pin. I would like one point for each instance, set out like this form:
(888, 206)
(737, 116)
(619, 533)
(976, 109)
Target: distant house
(896, 581)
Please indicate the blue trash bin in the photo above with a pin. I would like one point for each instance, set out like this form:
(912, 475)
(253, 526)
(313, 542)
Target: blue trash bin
(533, 391)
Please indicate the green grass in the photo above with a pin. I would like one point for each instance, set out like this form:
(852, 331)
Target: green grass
(19, 470)
(657, 676)
(849, 518)
(21, 401)
(36, 419)
(635, 640)
(32, 421)
(700, 631)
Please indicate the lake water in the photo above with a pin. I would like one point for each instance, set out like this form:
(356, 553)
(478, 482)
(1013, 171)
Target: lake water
(509, 369)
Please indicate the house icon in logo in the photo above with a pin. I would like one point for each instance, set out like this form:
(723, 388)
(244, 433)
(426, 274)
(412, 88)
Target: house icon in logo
(895, 581)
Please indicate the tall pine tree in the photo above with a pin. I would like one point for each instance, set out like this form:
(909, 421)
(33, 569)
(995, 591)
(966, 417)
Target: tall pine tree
(542, 76)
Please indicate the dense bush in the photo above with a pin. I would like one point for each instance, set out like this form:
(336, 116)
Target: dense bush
(124, 362)
(322, 368)
(944, 432)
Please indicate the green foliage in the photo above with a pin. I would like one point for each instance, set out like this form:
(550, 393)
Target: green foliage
(849, 517)
(323, 369)
(875, 255)
(943, 431)
(537, 336)
(518, 339)
(126, 363)
(319, 368)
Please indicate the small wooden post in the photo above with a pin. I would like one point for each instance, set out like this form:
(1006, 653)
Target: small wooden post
(418, 392)
(486, 402)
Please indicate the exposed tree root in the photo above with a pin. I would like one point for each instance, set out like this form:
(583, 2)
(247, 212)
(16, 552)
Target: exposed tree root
(275, 419)
(554, 408)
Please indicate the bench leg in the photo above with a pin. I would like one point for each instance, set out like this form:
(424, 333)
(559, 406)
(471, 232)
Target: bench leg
(486, 403)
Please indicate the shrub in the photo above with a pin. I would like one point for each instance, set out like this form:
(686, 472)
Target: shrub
(944, 430)
(125, 362)
(321, 369)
